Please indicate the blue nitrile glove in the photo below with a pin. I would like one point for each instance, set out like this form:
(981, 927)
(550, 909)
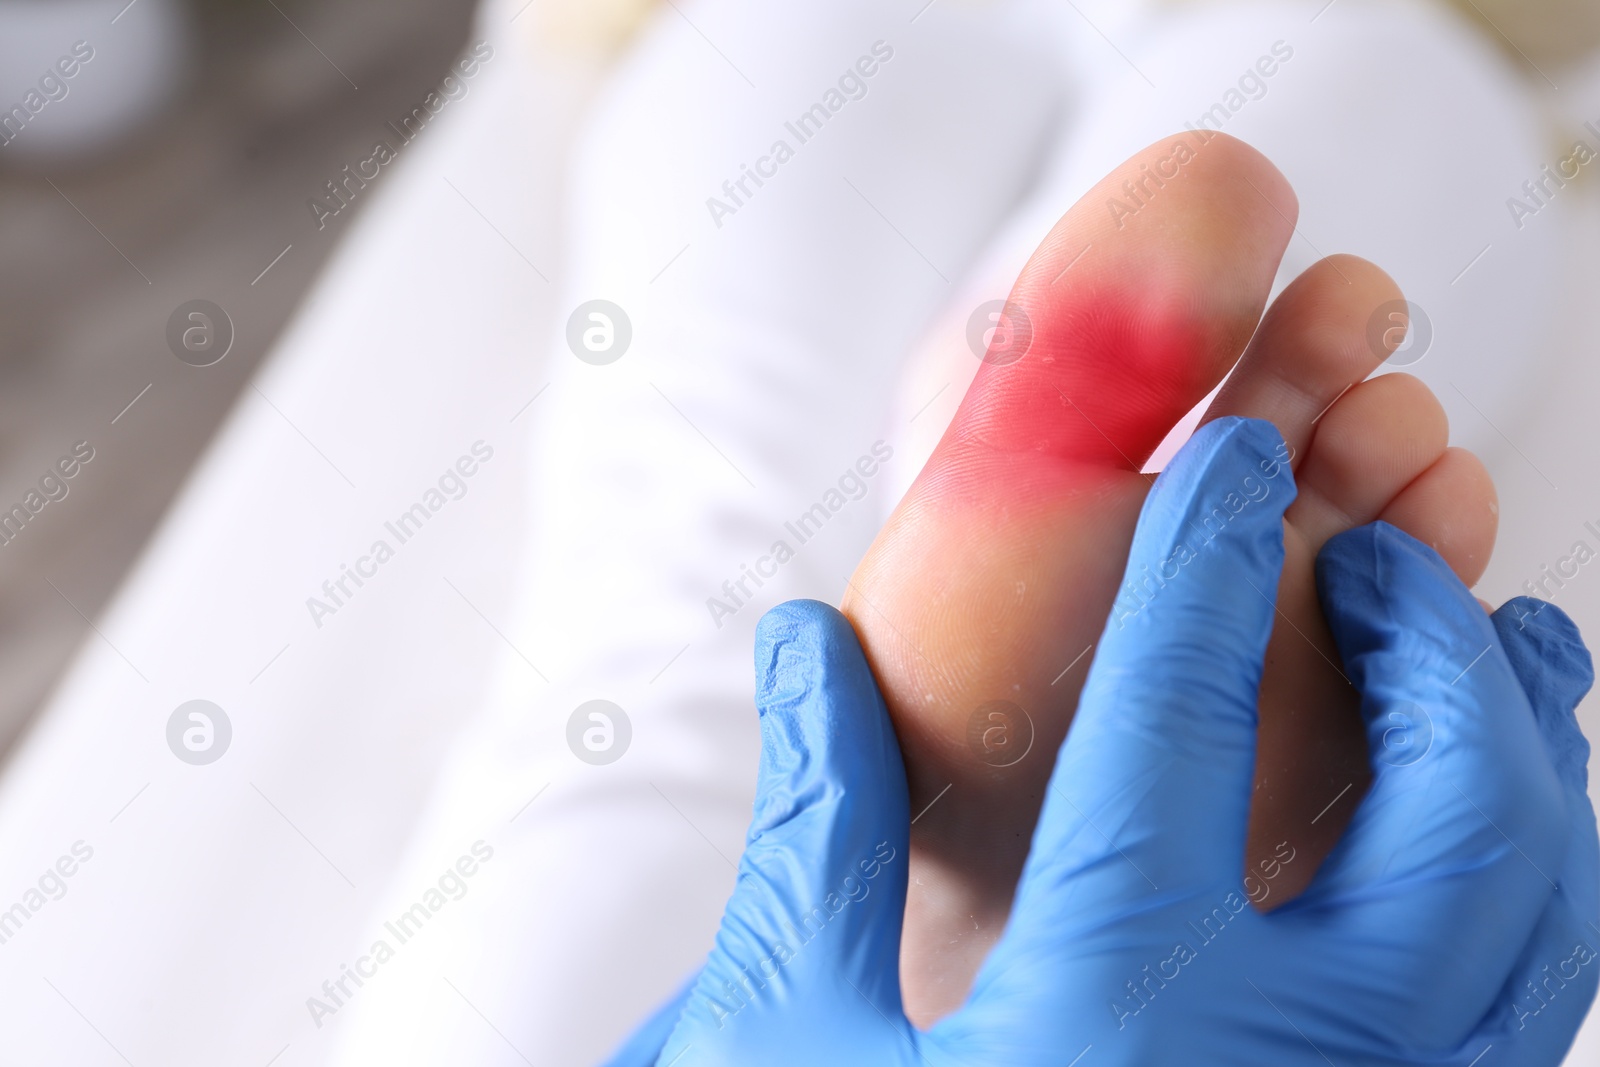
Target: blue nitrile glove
(1455, 924)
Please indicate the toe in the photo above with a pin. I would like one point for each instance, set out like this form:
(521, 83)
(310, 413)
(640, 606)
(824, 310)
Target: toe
(1134, 307)
(1312, 345)
(1376, 440)
(990, 584)
(1451, 506)
(1363, 450)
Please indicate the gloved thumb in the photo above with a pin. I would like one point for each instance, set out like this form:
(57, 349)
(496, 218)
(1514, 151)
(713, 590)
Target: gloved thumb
(1156, 772)
(1468, 813)
(812, 930)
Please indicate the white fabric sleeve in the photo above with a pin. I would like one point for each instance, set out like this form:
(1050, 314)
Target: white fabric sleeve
(743, 432)
(215, 899)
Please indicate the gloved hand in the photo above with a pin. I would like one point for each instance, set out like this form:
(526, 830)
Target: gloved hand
(1455, 924)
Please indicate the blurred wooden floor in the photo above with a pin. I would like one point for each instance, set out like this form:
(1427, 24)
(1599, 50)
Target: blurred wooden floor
(200, 205)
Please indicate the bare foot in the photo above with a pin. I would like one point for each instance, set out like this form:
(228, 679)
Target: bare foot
(981, 599)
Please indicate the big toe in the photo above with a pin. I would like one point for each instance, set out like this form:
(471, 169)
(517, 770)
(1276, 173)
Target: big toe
(980, 600)
(1133, 308)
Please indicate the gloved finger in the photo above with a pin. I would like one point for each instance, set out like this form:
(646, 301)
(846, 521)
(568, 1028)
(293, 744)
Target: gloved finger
(812, 930)
(1547, 653)
(1545, 650)
(1553, 983)
(1555, 979)
(1151, 790)
(643, 1046)
(1466, 816)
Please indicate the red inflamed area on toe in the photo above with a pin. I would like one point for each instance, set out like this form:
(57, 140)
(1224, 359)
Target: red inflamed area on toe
(1105, 373)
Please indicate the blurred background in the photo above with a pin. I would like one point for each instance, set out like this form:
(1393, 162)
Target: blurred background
(182, 174)
(343, 359)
